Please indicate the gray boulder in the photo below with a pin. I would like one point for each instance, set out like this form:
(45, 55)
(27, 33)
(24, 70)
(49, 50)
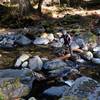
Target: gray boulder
(6, 43)
(88, 55)
(11, 88)
(54, 64)
(97, 48)
(95, 95)
(81, 43)
(32, 98)
(24, 64)
(58, 43)
(22, 40)
(56, 68)
(97, 54)
(35, 63)
(40, 41)
(74, 45)
(56, 91)
(81, 88)
(24, 75)
(96, 61)
(59, 72)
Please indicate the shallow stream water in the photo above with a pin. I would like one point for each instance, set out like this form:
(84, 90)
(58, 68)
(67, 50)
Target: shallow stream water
(8, 57)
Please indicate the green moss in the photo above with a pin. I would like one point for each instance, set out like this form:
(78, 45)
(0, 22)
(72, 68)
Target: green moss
(2, 96)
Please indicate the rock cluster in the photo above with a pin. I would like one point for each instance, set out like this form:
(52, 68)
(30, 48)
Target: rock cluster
(56, 78)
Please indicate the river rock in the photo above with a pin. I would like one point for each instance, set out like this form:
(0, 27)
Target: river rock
(55, 91)
(11, 88)
(60, 51)
(81, 88)
(97, 48)
(97, 54)
(96, 61)
(57, 44)
(11, 35)
(32, 98)
(40, 41)
(81, 43)
(24, 64)
(44, 35)
(6, 43)
(72, 64)
(21, 59)
(50, 37)
(59, 72)
(95, 95)
(59, 34)
(24, 75)
(35, 63)
(69, 82)
(54, 64)
(87, 55)
(22, 40)
(74, 45)
(81, 61)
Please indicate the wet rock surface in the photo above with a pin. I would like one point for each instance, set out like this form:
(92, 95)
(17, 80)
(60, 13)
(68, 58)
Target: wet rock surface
(35, 63)
(45, 69)
(82, 85)
(11, 88)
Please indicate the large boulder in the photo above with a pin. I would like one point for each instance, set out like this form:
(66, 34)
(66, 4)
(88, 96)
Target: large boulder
(56, 68)
(24, 75)
(11, 88)
(35, 63)
(60, 72)
(54, 64)
(81, 88)
(55, 91)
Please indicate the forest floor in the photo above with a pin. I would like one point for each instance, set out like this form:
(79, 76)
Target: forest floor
(54, 14)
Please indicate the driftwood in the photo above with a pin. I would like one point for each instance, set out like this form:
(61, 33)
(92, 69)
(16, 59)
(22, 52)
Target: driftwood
(67, 56)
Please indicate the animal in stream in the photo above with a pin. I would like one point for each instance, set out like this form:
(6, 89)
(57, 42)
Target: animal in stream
(67, 40)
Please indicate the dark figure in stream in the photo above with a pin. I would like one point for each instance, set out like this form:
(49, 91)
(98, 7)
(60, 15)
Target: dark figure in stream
(67, 40)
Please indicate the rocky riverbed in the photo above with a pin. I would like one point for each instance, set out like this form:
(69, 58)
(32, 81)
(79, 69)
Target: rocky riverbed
(40, 67)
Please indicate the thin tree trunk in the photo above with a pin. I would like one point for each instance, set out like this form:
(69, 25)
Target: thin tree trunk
(25, 7)
(40, 6)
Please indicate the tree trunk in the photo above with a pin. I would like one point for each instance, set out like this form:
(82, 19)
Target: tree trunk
(24, 7)
(40, 6)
